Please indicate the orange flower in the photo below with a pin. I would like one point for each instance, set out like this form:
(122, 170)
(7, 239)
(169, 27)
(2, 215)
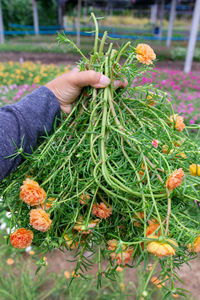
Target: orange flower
(10, 261)
(80, 225)
(175, 295)
(74, 274)
(145, 54)
(157, 282)
(124, 256)
(195, 246)
(46, 205)
(70, 242)
(32, 193)
(22, 238)
(67, 274)
(31, 252)
(40, 220)
(178, 120)
(175, 179)
(194, 170)
(139, 215)
(84, 198)
(161, 249)
(152, 228)
(101, 210)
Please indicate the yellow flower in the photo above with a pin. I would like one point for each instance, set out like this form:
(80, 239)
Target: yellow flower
(194, 170)
(70, 242)
(160, 248)
(195, 246)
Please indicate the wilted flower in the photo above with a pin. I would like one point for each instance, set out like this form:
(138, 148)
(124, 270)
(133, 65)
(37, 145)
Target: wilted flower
(157, 282)
(40, 220)
(139, 215)
(70, 242)
(160, 248)
(175, 179)
(152, 228)
(10, 261)
(178, 120)
(151, 102)
(84, 198)
(80, 225)
(21, 238)
(194, 170)
(32, 193)
(195, 246)
(145, 54)
(101, 210)
(46, 205)
(122, 257)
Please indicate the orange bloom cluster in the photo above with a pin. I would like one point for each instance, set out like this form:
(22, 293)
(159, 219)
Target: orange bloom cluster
(161, 249)
(194, 170)
(83, 199)
(145, 54)
(195, 246)
(101, 210)
(22, 238)
(124, 256)
(175, 179)
(80, 225)
(32, 193)
(40, 220)
(153, 226)
(178, 120)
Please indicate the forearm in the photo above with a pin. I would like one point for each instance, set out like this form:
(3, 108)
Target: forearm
(25, 121)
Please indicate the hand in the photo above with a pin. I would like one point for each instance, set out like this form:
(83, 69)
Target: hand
(68, 86)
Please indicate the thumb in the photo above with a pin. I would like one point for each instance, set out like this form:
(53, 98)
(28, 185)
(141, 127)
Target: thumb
(92, 78)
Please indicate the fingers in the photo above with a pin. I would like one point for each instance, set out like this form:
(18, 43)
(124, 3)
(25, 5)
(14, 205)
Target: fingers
(86, 78)
(118, 83)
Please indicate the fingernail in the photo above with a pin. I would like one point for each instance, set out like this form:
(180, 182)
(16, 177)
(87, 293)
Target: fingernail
(117, 83)
(104, 80)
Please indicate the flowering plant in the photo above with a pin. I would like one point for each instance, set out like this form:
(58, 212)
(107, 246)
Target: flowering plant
(112, 179)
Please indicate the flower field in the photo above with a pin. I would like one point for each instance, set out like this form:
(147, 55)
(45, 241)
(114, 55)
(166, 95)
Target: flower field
(17, 79)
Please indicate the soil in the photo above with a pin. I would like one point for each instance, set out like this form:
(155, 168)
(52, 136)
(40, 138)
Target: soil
(70, 59)
(58, 263)
(190, 274)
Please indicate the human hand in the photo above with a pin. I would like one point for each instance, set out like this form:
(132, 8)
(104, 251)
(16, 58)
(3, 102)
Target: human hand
(68, 86)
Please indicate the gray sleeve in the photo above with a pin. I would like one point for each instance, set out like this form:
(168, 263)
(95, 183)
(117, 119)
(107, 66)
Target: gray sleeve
(25, 121)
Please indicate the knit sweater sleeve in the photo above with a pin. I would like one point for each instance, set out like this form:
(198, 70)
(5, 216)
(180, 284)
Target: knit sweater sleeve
(22, 123)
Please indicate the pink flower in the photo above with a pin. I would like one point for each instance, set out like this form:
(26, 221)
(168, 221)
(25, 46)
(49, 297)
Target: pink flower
(155, 143)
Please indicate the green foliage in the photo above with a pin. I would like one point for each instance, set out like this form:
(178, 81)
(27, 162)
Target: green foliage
(21, 12)
(100, 149)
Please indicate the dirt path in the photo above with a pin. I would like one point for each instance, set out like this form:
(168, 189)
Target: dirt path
(70, 59)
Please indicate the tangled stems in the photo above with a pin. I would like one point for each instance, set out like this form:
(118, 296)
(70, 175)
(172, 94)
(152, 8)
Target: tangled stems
(104, 149)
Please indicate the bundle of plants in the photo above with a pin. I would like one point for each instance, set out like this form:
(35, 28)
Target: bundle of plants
(119, 177)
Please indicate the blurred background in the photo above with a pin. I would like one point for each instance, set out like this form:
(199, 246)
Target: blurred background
(30, 57)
